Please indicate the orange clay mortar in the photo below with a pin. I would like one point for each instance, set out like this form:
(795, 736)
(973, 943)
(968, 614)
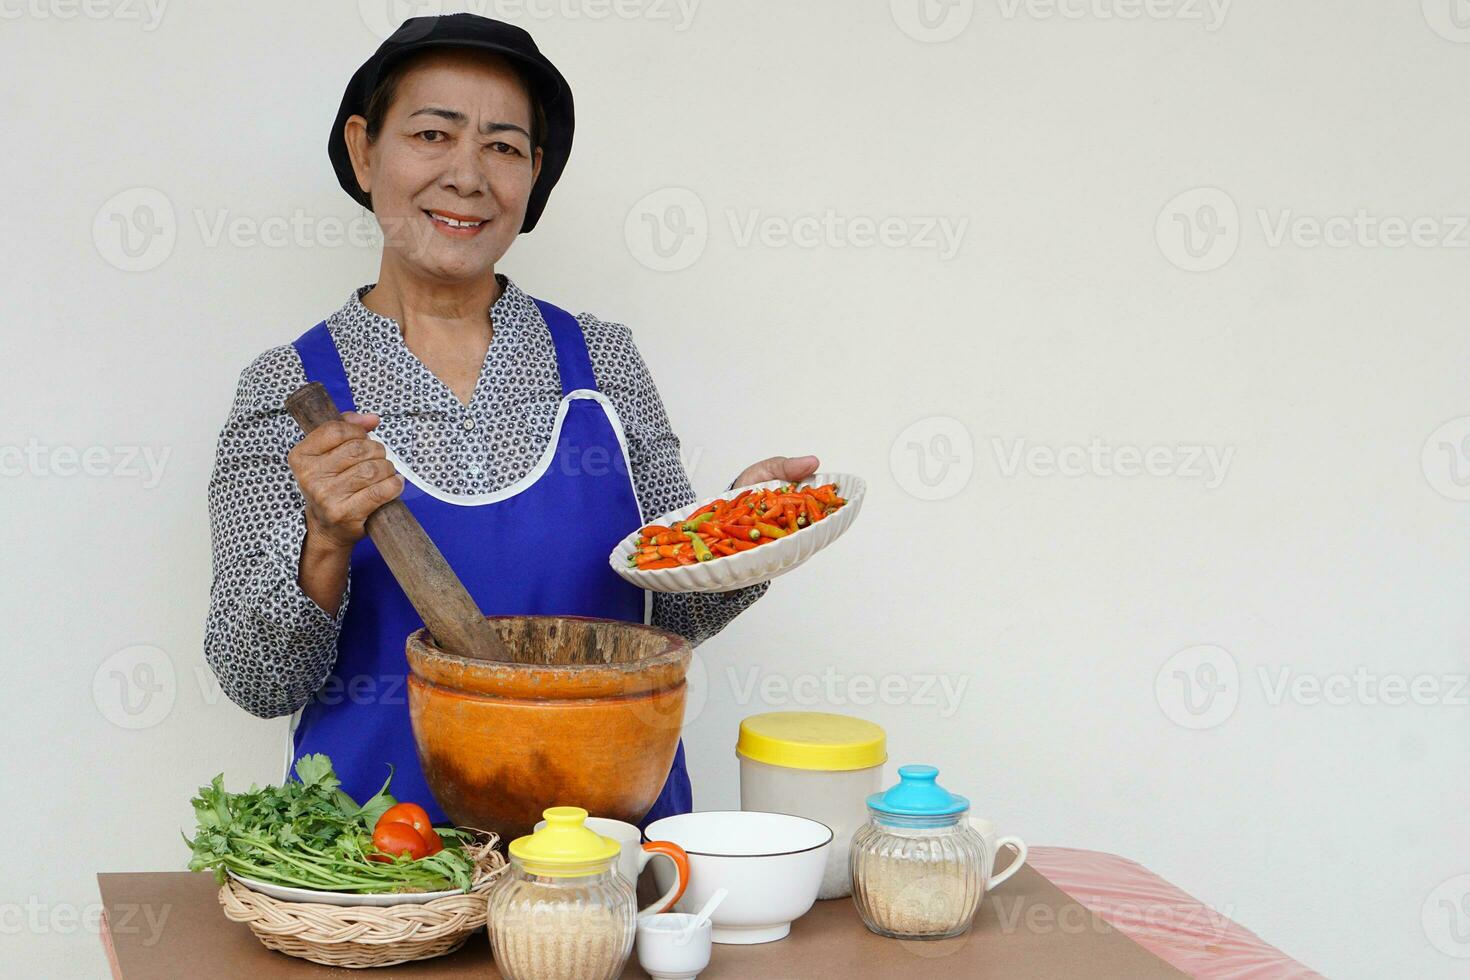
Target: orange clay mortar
(587, 715)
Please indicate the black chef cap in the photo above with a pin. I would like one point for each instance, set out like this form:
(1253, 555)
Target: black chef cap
(465, 31)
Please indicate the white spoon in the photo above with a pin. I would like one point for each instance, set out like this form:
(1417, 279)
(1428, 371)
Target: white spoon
(709, 910)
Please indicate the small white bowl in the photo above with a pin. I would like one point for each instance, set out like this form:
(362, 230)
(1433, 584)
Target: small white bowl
(772, 864)
(287, 894)
(669, 950)
(748, 567)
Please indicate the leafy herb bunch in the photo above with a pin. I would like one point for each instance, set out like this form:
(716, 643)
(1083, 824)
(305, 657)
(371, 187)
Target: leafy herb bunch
(308, 833)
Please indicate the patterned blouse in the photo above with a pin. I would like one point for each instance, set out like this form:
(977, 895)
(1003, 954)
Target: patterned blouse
(271, 646)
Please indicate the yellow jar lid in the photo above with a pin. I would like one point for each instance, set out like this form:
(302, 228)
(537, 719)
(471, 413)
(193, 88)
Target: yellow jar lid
(566, 847)
(812, 740)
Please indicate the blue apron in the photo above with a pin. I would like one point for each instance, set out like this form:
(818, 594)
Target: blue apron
(496, 543)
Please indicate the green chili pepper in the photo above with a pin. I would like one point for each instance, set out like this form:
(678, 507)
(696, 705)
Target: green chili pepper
(701, 519)
(701, 550)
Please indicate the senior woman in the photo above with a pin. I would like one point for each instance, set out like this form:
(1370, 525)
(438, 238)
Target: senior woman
(484, 406)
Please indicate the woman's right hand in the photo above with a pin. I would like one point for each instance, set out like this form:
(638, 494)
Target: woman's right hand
(344, 476)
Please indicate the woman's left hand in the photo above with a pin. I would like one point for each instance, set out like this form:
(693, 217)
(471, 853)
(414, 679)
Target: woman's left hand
(790, 469)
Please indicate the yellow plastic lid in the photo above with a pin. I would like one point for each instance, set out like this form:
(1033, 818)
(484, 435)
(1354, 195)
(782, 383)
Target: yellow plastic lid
(566, 847)
(812, 740)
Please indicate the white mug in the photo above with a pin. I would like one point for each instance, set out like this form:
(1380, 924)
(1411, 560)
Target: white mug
(635, 856)
(993, 844)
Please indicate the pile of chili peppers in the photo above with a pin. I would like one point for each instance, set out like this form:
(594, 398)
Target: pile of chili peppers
(728, 527)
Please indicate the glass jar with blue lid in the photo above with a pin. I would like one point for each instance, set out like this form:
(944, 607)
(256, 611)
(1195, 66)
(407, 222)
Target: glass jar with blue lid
(918, 867)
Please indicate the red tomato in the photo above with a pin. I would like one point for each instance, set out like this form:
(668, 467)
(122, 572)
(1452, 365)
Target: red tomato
(415, 816)
(398, 838)
(409, 813)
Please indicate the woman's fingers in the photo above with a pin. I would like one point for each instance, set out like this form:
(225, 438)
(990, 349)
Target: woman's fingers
(344, 456)
(344, 477)
(360, 475)
(791, 469)
(362, 503)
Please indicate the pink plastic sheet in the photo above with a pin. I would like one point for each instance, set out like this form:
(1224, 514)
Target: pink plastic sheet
(1175, 927)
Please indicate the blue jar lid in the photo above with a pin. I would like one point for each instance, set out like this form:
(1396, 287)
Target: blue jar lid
(917, 794)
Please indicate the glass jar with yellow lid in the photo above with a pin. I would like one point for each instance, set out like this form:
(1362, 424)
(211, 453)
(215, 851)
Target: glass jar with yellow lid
(815, 765)
(562, 911)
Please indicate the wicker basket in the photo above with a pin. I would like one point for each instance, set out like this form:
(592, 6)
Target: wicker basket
(359, 936)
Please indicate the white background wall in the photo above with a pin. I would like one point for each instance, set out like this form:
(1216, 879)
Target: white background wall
(1332, 545)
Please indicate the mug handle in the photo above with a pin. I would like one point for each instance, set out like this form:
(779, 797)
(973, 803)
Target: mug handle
(1015, 865)
(675, 853)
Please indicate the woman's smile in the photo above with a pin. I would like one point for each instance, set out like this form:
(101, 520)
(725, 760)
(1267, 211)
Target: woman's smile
(454, 224)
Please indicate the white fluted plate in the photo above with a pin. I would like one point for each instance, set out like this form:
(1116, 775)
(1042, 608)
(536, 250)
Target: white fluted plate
(748, 567)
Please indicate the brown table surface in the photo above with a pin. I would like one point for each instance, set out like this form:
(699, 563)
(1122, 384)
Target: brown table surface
(169, 924)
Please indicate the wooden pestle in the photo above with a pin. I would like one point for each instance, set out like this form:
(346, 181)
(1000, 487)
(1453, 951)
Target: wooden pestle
(445, 605)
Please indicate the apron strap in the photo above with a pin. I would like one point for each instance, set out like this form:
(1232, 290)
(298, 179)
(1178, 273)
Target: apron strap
(323, 362)
(572, 360)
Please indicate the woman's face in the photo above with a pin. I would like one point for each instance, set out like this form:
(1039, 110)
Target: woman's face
(455, 146)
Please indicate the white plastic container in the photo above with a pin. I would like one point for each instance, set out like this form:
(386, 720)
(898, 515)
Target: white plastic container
(814, 765)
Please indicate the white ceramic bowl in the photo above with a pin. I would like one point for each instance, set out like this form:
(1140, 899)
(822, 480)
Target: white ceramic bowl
(772, 864)
(669, 950)
(748, 567)
(287, 894)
